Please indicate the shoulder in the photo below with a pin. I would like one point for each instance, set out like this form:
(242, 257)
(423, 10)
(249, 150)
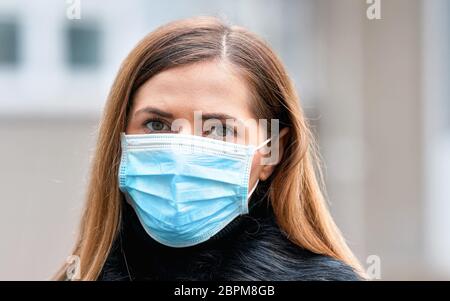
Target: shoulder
(324, 268)
(267, 254)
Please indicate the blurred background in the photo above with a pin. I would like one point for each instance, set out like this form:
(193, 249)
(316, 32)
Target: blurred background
(376, 91)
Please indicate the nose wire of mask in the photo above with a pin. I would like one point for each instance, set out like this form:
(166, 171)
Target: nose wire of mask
(185, 188)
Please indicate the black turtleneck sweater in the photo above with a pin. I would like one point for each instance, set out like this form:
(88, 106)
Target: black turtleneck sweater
(251, 247)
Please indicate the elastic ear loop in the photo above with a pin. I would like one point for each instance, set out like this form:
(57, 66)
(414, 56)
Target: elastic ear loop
(253, 189)
(263, 144)
(257, 181)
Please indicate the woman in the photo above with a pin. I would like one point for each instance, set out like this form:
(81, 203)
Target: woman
(166, 202)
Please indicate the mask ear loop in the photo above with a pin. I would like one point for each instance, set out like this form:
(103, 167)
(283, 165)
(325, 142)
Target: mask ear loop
(263, 144)
(257, 181)
(253, 190)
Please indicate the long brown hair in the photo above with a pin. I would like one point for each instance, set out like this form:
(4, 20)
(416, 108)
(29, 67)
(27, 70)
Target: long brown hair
(294, 191)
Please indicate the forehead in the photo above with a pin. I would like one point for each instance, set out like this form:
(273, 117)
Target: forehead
(207, 86)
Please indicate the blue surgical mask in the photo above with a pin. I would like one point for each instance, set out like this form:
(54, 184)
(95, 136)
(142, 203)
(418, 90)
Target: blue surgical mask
(185, 188)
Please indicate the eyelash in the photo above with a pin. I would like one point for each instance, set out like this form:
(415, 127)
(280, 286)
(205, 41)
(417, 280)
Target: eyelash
(153, 119)
(230, 128)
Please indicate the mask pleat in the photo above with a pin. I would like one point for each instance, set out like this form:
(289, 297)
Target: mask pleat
(184, 195)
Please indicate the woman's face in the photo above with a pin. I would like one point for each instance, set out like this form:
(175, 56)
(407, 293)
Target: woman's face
(166, 104)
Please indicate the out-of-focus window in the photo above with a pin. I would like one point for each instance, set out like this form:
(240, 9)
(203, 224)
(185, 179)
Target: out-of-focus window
(9, 42)
(83, 45)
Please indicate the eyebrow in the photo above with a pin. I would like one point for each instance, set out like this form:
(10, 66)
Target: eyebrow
(217, 116)
(153, 110)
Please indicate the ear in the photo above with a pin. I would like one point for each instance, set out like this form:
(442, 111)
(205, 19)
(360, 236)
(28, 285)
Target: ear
(268, 169)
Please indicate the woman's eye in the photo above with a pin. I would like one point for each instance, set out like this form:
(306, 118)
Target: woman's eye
(220, 132)
(157, 126)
